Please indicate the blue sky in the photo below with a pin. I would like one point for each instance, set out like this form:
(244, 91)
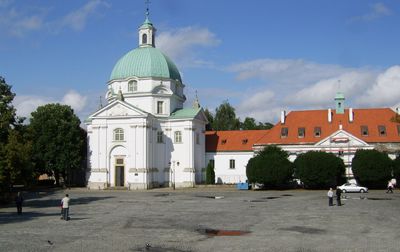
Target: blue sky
(262, 56)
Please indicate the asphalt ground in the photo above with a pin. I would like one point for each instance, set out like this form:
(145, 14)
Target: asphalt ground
(207, 219)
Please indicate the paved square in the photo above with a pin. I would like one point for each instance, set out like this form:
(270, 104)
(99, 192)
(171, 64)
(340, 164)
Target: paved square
(197, 220)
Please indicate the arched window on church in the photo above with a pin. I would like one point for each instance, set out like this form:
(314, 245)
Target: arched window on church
(119, 134)
(144, 39)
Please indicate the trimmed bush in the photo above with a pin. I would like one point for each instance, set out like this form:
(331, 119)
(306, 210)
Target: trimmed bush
(319, 170)
(210, 174)
(372, 168)
(270, 167)
(396, 168)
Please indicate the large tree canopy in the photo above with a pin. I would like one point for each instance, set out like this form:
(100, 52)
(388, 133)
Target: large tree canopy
(318, 169)
(225, 118)
(57, 140)
(372, 168)
(270, 167)
(7, 111)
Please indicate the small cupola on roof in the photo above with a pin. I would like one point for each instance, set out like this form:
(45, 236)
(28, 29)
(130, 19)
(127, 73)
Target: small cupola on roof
(147, 33)
(339, 100)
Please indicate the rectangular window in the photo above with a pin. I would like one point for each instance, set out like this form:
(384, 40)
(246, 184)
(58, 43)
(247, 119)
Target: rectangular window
(284, 132)
(364, 130)
(382, 130)
(398, 130)
(160, 137)
(317, 131)
(178, 137)
(197, 138)
(160, 107)
(130, 87)
(232, 164)
(301, 132)
(135, 86)
(119, 161)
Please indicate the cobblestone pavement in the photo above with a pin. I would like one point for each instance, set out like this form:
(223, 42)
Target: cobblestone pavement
(205, 219)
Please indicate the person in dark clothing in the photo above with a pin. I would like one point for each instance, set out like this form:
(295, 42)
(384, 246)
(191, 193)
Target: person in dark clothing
(338, 196)
(18, 201)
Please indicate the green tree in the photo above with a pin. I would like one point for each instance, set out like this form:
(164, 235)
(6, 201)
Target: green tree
(18, 163)
(57, 141)
(264, 126)
(270, 167)
(396, 168)
(249, 123)
(210, 119)
(372, 168)
(318, 169)
(210, 174)
(7, 120)
(225, 118)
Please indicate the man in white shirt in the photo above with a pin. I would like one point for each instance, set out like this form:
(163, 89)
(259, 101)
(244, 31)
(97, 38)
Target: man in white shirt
(330, 197)
(65, 206)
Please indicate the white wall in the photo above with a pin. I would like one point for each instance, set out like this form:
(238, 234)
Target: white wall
(223, 174)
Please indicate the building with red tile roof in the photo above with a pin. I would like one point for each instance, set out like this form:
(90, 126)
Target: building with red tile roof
(229, 152)
(340, 131)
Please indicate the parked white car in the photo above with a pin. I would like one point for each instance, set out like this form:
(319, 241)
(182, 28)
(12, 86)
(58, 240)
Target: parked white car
(352, 187)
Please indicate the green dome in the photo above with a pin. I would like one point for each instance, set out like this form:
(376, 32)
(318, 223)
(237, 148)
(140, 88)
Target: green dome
(145, 62)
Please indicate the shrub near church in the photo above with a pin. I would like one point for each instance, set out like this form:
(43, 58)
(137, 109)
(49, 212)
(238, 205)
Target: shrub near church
(317, 169)
(372, 168)
(270, 167)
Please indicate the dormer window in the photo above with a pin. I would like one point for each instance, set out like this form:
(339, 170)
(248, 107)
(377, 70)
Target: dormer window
(244, 141)
(317, 131)
(284, 132)
(223, 141)
(364, 130)
(382, 130)
(301, 132)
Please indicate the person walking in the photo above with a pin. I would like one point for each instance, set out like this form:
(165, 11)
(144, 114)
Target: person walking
(330, 197)
(338, 196)
(65, 206)
(18, 201)
(390, 187)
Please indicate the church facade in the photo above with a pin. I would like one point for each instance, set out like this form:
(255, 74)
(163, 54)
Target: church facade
(143, 137)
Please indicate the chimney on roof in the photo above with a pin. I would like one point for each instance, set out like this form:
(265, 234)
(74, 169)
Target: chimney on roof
(329, 115)
(351, 115)
(283, 116)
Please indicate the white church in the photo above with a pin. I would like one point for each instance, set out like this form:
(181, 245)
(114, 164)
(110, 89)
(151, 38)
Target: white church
(144, 137)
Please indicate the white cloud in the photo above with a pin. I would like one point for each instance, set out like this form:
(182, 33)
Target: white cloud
(179, 44)
(26, 104)
(284, 71)
(261, 105)
(18, 24)
(77, 19)
(295, 84)
(321, 93)
(18, 21)
(385, 89)
(75, 100)
(378, 10)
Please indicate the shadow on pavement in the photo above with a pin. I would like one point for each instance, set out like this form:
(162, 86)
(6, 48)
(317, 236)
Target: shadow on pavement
(26, 216)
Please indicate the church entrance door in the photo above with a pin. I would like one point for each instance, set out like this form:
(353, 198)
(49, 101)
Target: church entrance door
(119, 172)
